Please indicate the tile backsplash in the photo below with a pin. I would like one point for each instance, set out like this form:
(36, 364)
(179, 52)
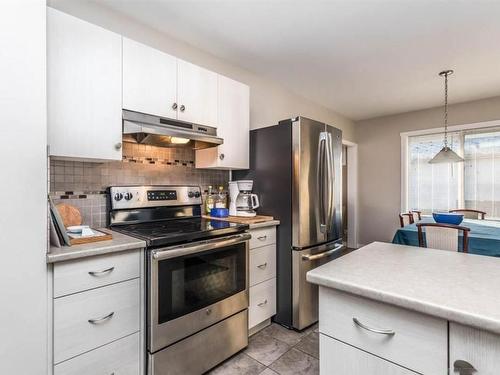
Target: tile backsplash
(83, 184)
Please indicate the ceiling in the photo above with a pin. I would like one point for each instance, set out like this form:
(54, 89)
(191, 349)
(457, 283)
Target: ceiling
(362, 59)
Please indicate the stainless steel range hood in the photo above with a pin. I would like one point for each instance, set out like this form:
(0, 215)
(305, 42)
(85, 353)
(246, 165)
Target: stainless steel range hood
(158, 131)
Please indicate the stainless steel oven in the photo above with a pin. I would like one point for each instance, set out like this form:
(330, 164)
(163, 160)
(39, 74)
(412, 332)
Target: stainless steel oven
(194, 286)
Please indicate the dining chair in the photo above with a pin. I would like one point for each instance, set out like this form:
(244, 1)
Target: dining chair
(417, 215)
(470, 214)
(405, 219)
(443, 236)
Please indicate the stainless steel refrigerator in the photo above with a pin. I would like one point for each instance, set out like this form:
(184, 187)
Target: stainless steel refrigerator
(296, 167)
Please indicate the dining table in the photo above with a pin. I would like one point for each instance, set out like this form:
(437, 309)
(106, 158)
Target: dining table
(484, 235)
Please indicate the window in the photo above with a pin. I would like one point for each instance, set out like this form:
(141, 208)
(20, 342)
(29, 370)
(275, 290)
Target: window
(473, 184)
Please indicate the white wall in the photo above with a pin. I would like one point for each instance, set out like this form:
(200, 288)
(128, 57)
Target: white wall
(269, 102)
(23, 245)
(379, 144)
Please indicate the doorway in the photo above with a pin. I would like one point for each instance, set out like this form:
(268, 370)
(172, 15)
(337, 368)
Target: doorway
(350, 193)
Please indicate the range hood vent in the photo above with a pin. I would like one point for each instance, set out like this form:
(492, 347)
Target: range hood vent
(158, 131)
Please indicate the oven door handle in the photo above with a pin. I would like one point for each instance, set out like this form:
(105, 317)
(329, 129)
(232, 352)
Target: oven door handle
(177, 251)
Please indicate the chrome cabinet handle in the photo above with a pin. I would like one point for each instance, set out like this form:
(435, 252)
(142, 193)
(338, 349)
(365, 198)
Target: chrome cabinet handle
(324, 254)
(262, 303)
(463, 367)
(118, 146)
(101, 320)
(101, 273)
(174, 106)
(262, 238)
(262, 266)
(388, 332)
(182, 108)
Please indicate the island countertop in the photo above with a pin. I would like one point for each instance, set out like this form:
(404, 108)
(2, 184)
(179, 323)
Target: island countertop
(462, 288)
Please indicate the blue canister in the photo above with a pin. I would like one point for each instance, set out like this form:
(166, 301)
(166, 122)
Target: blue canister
(219, 212)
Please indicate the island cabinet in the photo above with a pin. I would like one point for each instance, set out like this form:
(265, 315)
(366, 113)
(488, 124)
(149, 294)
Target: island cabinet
(362, 336)
(473, 351)
(395, 338)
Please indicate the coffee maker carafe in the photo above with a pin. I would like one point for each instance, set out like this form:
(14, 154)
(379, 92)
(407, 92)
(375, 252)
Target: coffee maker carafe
(243, 202)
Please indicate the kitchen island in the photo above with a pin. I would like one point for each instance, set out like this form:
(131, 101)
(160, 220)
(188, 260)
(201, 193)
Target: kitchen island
(393, 309)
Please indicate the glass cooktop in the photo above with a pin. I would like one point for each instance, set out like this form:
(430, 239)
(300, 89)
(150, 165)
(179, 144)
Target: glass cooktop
(169, 232)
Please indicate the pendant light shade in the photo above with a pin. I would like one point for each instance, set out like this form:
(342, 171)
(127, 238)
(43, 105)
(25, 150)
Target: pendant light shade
(446, 155)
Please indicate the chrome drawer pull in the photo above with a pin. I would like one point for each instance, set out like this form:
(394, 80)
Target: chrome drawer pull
(262, 238)
(103, 319)
(262, 303)
(262, 266)
(101, 273)
(388, 332)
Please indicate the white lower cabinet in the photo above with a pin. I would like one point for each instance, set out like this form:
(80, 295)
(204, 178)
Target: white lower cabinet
(121, 357)
(338, 358)
(362, 336)
(86, 320)
(97, 314)
(262, 276)
(410, 339)
(262, 304)
(473, 348)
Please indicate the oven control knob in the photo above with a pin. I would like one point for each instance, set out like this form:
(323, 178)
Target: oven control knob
(118, 196)
(197, 194)
(128, 196)
(190, 194)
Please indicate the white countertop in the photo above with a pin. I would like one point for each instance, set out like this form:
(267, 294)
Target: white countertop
(463, 288)
(120, 242)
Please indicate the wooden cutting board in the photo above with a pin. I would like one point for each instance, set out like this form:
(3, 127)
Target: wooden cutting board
(70, 214)
(242, 220)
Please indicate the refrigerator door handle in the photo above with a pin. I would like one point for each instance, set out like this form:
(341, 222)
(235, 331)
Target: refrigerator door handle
(330, 182)
(320, 180)
(324, 254)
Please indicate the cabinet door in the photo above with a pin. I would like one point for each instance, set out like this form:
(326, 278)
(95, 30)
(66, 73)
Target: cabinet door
(84, 88)
(233, 127)
(149, 80)
(197, 94)
(342, 359)
(470, 346)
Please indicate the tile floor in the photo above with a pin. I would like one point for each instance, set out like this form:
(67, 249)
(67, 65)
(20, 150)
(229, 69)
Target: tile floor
(276, 350)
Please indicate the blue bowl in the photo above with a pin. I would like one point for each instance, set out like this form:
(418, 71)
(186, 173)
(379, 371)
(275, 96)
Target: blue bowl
(447, 217)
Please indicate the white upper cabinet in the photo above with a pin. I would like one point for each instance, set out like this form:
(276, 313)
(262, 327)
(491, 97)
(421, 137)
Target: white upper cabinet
(84, 89)
(233, 126)
(149, 80)
(196, 94)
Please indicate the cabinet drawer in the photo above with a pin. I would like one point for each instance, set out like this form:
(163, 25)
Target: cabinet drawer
(83, 321)
(341, 359)
(479, 348)
(121, 357)
(420, 341)
(262, 264)
(262, 237)
(83, 274)
(262, 302)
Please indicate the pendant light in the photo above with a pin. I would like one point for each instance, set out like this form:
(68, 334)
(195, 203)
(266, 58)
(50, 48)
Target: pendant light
(446, 155)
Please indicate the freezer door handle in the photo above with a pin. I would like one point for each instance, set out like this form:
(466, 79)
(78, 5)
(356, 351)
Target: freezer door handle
(324, 254)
